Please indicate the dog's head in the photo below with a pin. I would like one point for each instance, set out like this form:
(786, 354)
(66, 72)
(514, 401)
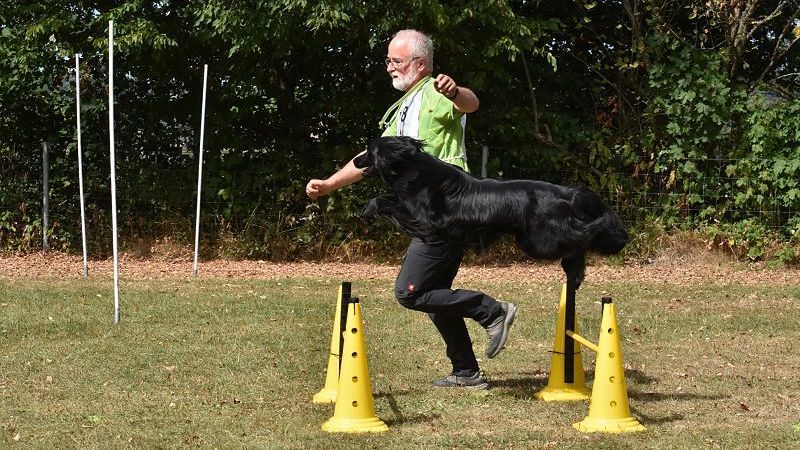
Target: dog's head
(613, 237)
(610, 236)
(387, 156)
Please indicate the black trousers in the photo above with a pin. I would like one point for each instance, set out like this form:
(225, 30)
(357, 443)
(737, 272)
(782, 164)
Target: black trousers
(425, 284)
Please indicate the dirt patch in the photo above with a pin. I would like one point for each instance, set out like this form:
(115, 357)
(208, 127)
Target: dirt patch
(672, 271)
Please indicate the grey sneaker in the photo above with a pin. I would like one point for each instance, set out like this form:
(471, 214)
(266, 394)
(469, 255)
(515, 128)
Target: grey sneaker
(498, 331)
(476, 382)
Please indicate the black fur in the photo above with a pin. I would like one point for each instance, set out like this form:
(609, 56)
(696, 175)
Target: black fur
(433, 200)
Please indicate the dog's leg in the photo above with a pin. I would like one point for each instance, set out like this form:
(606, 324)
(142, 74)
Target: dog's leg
(370, 210)
(574, 267)
(390, 208)
(378, 207)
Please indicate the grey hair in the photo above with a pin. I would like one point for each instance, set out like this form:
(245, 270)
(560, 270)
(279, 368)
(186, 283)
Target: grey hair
(419, 43)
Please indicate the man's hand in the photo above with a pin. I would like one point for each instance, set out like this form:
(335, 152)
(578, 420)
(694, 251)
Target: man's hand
(446, 85)
(317, 188)
(463, 98)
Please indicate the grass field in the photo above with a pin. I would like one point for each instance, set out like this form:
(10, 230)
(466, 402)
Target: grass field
(234, 363)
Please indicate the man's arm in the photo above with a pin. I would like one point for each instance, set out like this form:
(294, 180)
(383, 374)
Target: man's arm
(347, 175)
(463, 98)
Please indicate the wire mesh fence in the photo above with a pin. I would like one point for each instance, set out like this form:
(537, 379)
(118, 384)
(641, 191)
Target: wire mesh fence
(158, 198)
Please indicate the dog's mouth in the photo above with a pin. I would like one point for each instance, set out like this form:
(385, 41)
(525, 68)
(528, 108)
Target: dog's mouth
(361, 161)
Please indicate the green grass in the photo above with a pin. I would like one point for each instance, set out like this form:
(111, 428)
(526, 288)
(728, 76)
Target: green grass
(234, 363)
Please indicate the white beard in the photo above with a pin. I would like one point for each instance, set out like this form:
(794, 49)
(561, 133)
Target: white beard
(403, 82)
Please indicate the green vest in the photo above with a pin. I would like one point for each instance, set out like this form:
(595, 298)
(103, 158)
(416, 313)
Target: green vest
(439, 124)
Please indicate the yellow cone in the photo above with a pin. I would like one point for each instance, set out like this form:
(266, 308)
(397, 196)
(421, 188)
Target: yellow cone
(608, 409)
(355, 407)
(557, 388)
(328, 392)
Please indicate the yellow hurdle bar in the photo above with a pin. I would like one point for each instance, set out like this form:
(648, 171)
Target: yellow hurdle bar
(582, 340)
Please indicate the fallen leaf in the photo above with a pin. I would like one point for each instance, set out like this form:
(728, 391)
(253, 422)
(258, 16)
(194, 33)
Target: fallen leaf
(744, 406)
(171, 372)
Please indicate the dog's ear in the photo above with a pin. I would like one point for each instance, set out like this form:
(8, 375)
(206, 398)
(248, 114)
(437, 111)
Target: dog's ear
(389, 156)
(406, 146)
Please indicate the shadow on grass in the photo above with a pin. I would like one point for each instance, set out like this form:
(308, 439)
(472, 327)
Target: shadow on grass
(683, 396)
(521, 387)
(659, 396)
(652, 420)
(399, 417)
(636, 376)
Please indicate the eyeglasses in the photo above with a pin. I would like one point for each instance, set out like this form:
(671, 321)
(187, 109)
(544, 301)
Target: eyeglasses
(396, 62)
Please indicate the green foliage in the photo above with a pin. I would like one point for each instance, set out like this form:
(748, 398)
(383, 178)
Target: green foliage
(744, 239)
(646, 238)
(722, 153)
(768, 173)
(629, 102)
(750, 240)
(785, 255)
(695, 113)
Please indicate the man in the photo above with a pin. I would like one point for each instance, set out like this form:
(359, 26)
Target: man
(434, 110)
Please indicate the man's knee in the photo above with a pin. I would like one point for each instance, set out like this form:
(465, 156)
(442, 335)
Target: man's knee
(406, 295)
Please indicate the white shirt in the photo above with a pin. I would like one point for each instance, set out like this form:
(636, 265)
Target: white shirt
(408, 116)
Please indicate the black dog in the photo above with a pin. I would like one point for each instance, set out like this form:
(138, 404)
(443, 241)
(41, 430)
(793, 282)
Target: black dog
(433, 200)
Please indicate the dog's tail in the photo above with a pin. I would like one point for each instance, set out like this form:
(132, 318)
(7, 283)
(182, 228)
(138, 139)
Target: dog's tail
(606, 233)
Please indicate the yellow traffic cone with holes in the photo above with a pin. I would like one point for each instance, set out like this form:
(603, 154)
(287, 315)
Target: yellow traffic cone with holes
(355, 407)
(328, 392)
(558, 389)
(609, 411)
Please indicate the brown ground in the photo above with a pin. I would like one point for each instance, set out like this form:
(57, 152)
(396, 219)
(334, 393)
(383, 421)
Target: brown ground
(676, 270)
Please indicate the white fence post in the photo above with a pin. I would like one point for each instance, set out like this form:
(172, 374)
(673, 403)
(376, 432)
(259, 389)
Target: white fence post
(45, 196)
(80, 166)
(200, 170)
(113, 165)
